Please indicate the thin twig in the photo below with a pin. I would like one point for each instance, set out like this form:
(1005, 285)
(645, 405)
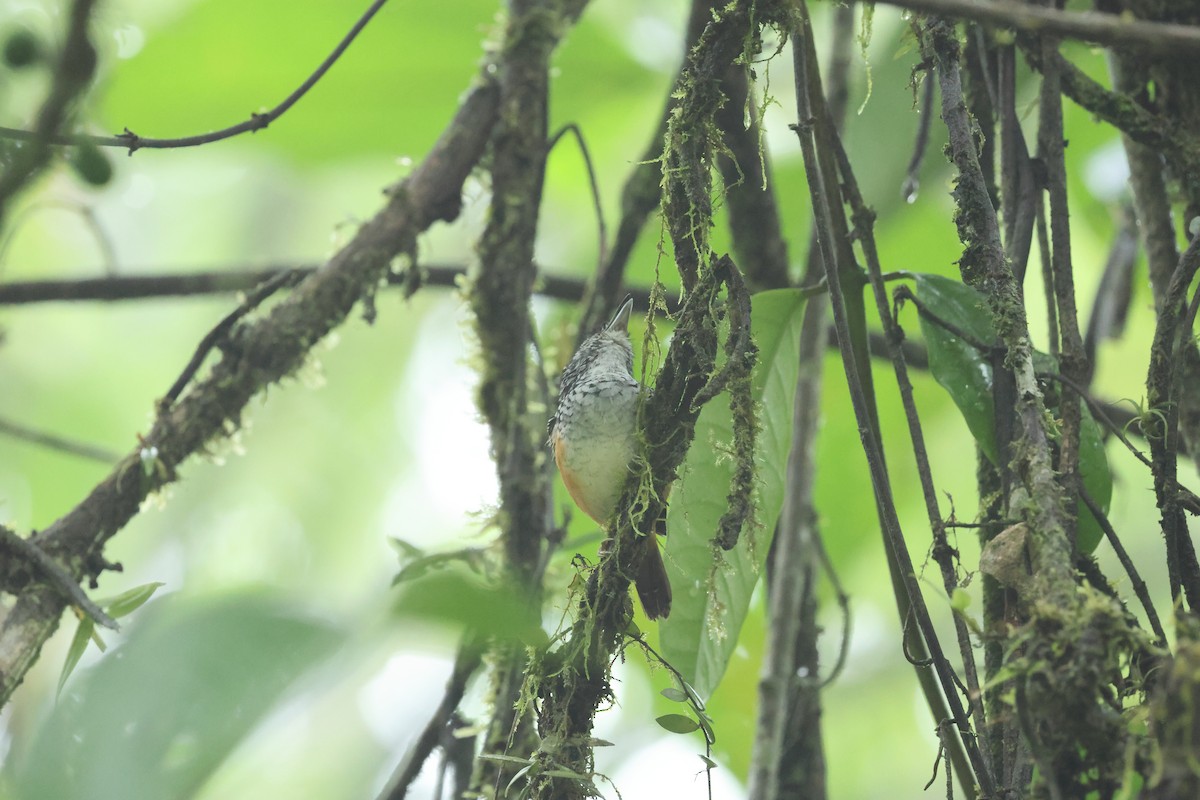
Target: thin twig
(1135, 579)
(912, 175)
(56, 442)
(133, 142)
(199, 283)
(843, 601)
(221, 330)
(593, 182)
(903, 293)
(466, 664)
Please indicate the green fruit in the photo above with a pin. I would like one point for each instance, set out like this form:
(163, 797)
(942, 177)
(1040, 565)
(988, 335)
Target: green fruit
(92, 165)
(22, 49)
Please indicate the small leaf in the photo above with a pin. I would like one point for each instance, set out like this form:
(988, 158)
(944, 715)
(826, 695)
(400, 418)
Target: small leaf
(708, 762)
(129, 601)
(960, 600)
(79, 643)
(458, 596)
(697, 701)
(678, 723)
(404, 549)
(426, 563)
(506, 759)
(674, 695)
(521, 773)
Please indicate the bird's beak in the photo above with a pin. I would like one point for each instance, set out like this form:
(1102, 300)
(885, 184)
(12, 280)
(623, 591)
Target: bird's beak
(620, 320)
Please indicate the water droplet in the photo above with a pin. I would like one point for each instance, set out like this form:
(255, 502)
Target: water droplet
(909, 190)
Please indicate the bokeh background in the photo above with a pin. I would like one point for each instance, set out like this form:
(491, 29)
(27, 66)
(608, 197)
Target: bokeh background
(270, 662)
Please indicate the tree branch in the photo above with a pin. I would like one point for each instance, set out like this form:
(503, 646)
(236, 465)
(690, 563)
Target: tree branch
(1159, 38)
(499, 298)
(259, 352)
(256, 122)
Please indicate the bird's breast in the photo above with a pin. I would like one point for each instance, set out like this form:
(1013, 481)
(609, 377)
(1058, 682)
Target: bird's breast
(594, 442)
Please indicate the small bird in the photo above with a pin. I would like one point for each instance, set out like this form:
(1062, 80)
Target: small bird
(594, 436)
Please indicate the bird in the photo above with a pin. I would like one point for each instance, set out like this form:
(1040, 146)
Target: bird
(593, 434)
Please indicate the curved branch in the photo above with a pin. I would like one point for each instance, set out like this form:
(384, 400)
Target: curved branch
(256, 122)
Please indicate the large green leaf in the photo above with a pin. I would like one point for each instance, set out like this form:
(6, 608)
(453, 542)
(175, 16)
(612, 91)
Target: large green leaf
(157, 716)
(712, 588)
(966, 375)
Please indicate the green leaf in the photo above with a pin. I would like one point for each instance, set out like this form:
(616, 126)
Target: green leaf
(129, 601)
(521, 773)
(79, 643)
(674, 695)
(192, 681)
(710, 735)
(960, 600)
(678, 723)
(708, 762)
(966, 375)
(458, 596)
(712, 589)
(405, 550)
(957, 366)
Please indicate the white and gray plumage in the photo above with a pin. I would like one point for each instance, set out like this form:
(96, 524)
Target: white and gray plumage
(594, 437)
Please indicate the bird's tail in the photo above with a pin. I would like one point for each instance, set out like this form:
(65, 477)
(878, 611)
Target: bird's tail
(653, 586)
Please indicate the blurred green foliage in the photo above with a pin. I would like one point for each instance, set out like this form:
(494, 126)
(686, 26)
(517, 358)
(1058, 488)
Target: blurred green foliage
(226, 687)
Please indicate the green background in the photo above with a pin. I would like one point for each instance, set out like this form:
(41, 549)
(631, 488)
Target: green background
(274, 548)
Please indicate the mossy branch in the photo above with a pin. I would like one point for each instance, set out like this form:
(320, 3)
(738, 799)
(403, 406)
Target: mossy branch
(499, 298)
(575, 678)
